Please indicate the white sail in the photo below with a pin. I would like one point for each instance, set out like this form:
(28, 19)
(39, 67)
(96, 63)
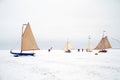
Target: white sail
(68, 46)
(89, 46)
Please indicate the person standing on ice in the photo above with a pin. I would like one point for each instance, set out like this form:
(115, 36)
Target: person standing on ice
(49, 49)
(82, 49)
(78, 50)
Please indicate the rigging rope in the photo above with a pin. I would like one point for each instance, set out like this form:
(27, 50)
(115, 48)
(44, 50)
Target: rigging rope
(115, 42)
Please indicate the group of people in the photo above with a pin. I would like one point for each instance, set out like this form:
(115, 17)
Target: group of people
(52, 47)
(79, 50)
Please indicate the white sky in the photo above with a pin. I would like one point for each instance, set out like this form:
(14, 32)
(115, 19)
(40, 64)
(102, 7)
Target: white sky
(53, 21)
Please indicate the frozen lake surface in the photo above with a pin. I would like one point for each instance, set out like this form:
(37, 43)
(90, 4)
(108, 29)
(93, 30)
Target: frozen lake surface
(57, 65)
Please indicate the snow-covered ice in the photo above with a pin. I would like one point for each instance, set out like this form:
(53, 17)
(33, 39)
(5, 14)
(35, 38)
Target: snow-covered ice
(57, 65)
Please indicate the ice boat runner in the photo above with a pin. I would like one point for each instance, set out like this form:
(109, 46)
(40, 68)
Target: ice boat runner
(27, 42)
(68, 47)
(89, 46)
(103, 44)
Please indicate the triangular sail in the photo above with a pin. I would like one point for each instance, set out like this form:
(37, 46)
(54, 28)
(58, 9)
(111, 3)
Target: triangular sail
(107, 43)
(68, 46)
(104, 43)
(28, 40)
(89, 47)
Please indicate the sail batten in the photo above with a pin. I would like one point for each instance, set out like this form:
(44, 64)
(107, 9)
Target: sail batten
(28, 40)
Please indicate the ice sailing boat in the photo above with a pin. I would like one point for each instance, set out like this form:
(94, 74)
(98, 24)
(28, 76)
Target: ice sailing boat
(68, 47)
(89, 46)
(27, 42)
(103, 44)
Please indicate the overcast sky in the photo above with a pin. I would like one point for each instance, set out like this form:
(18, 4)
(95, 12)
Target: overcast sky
(55, 21)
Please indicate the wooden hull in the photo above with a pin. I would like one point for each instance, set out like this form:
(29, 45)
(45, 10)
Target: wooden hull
(68, 51)
(102, 51)
(87, 50)
(21, 54)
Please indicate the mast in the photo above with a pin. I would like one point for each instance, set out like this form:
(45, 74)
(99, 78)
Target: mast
(67, 44)
(22, 36)
(89, 38)
(103, 41)
(88, 45)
